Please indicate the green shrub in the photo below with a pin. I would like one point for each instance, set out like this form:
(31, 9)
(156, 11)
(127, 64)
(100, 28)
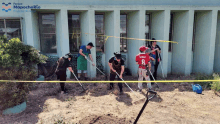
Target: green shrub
(14, 54)
(14, 93)
(216, 85)
(205, 85)
(17, 62)
(3, 39)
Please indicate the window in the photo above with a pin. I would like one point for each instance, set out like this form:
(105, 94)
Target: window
(171, 32)
(123, 33)
(47, 26)
(99, 30)
(74, 32)
(147, 29)
(11, 28)
(194, 33)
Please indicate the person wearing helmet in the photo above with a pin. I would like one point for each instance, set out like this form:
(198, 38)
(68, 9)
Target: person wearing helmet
(62, 64)
(143, 60)
(116, 64)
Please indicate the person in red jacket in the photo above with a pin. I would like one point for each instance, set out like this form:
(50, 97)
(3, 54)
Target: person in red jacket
(143, 60)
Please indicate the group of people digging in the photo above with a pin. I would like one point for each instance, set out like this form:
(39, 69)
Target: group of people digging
(147, 59)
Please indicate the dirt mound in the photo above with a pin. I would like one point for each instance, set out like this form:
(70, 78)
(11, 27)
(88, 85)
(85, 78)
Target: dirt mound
(105, 119)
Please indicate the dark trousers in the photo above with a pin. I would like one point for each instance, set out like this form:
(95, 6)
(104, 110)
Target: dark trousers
(112, 78)
(155, 70)
(62, 77)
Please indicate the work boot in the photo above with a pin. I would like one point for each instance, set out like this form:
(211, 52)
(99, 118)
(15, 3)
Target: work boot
(149, 89)
(140, 90)
(121, 93)
(110, 87)
(65, 91)
(62, 92)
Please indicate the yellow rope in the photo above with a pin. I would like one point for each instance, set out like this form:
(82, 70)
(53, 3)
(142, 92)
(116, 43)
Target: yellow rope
(132, 38)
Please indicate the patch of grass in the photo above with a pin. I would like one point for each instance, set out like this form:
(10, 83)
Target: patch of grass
(70, 99)
(216, 85)
(59, 122)
(205, 85)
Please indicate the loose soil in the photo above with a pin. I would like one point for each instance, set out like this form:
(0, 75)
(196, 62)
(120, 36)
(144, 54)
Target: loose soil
(175, 103)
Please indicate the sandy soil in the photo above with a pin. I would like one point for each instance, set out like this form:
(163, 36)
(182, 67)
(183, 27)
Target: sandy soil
(175, 103)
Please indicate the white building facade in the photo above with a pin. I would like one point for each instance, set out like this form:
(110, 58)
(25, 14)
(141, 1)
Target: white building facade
(58, 27)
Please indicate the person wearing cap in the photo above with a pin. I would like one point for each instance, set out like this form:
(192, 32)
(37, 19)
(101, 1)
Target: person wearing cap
(152, 61)
(82, 59)
(116, 64)
(143, 60)
(62, 64)
(155, 53)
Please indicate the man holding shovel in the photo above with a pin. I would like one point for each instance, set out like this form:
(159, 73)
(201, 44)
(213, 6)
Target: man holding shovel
(63, 63)
(116, 64)
(82, 59)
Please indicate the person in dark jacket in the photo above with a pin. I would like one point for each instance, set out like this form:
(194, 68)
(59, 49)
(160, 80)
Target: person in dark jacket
(155, 53)
(116, 64)
(63, 63)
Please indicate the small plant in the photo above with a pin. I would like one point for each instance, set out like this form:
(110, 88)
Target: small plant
(216, 85)
(71, 98)
(59, 122)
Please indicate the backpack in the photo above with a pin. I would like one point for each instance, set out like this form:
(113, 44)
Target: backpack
(197, 88)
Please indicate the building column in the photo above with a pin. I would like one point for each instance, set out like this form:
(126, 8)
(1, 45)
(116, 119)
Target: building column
(28, 29)
(217, 47)
(62, 32)
(214, 18)
(189, 53)
(112, 28)
(181, 53)
(36, 30)
(87, 23)
(203, 60)
(136, 29)
(160, 30)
